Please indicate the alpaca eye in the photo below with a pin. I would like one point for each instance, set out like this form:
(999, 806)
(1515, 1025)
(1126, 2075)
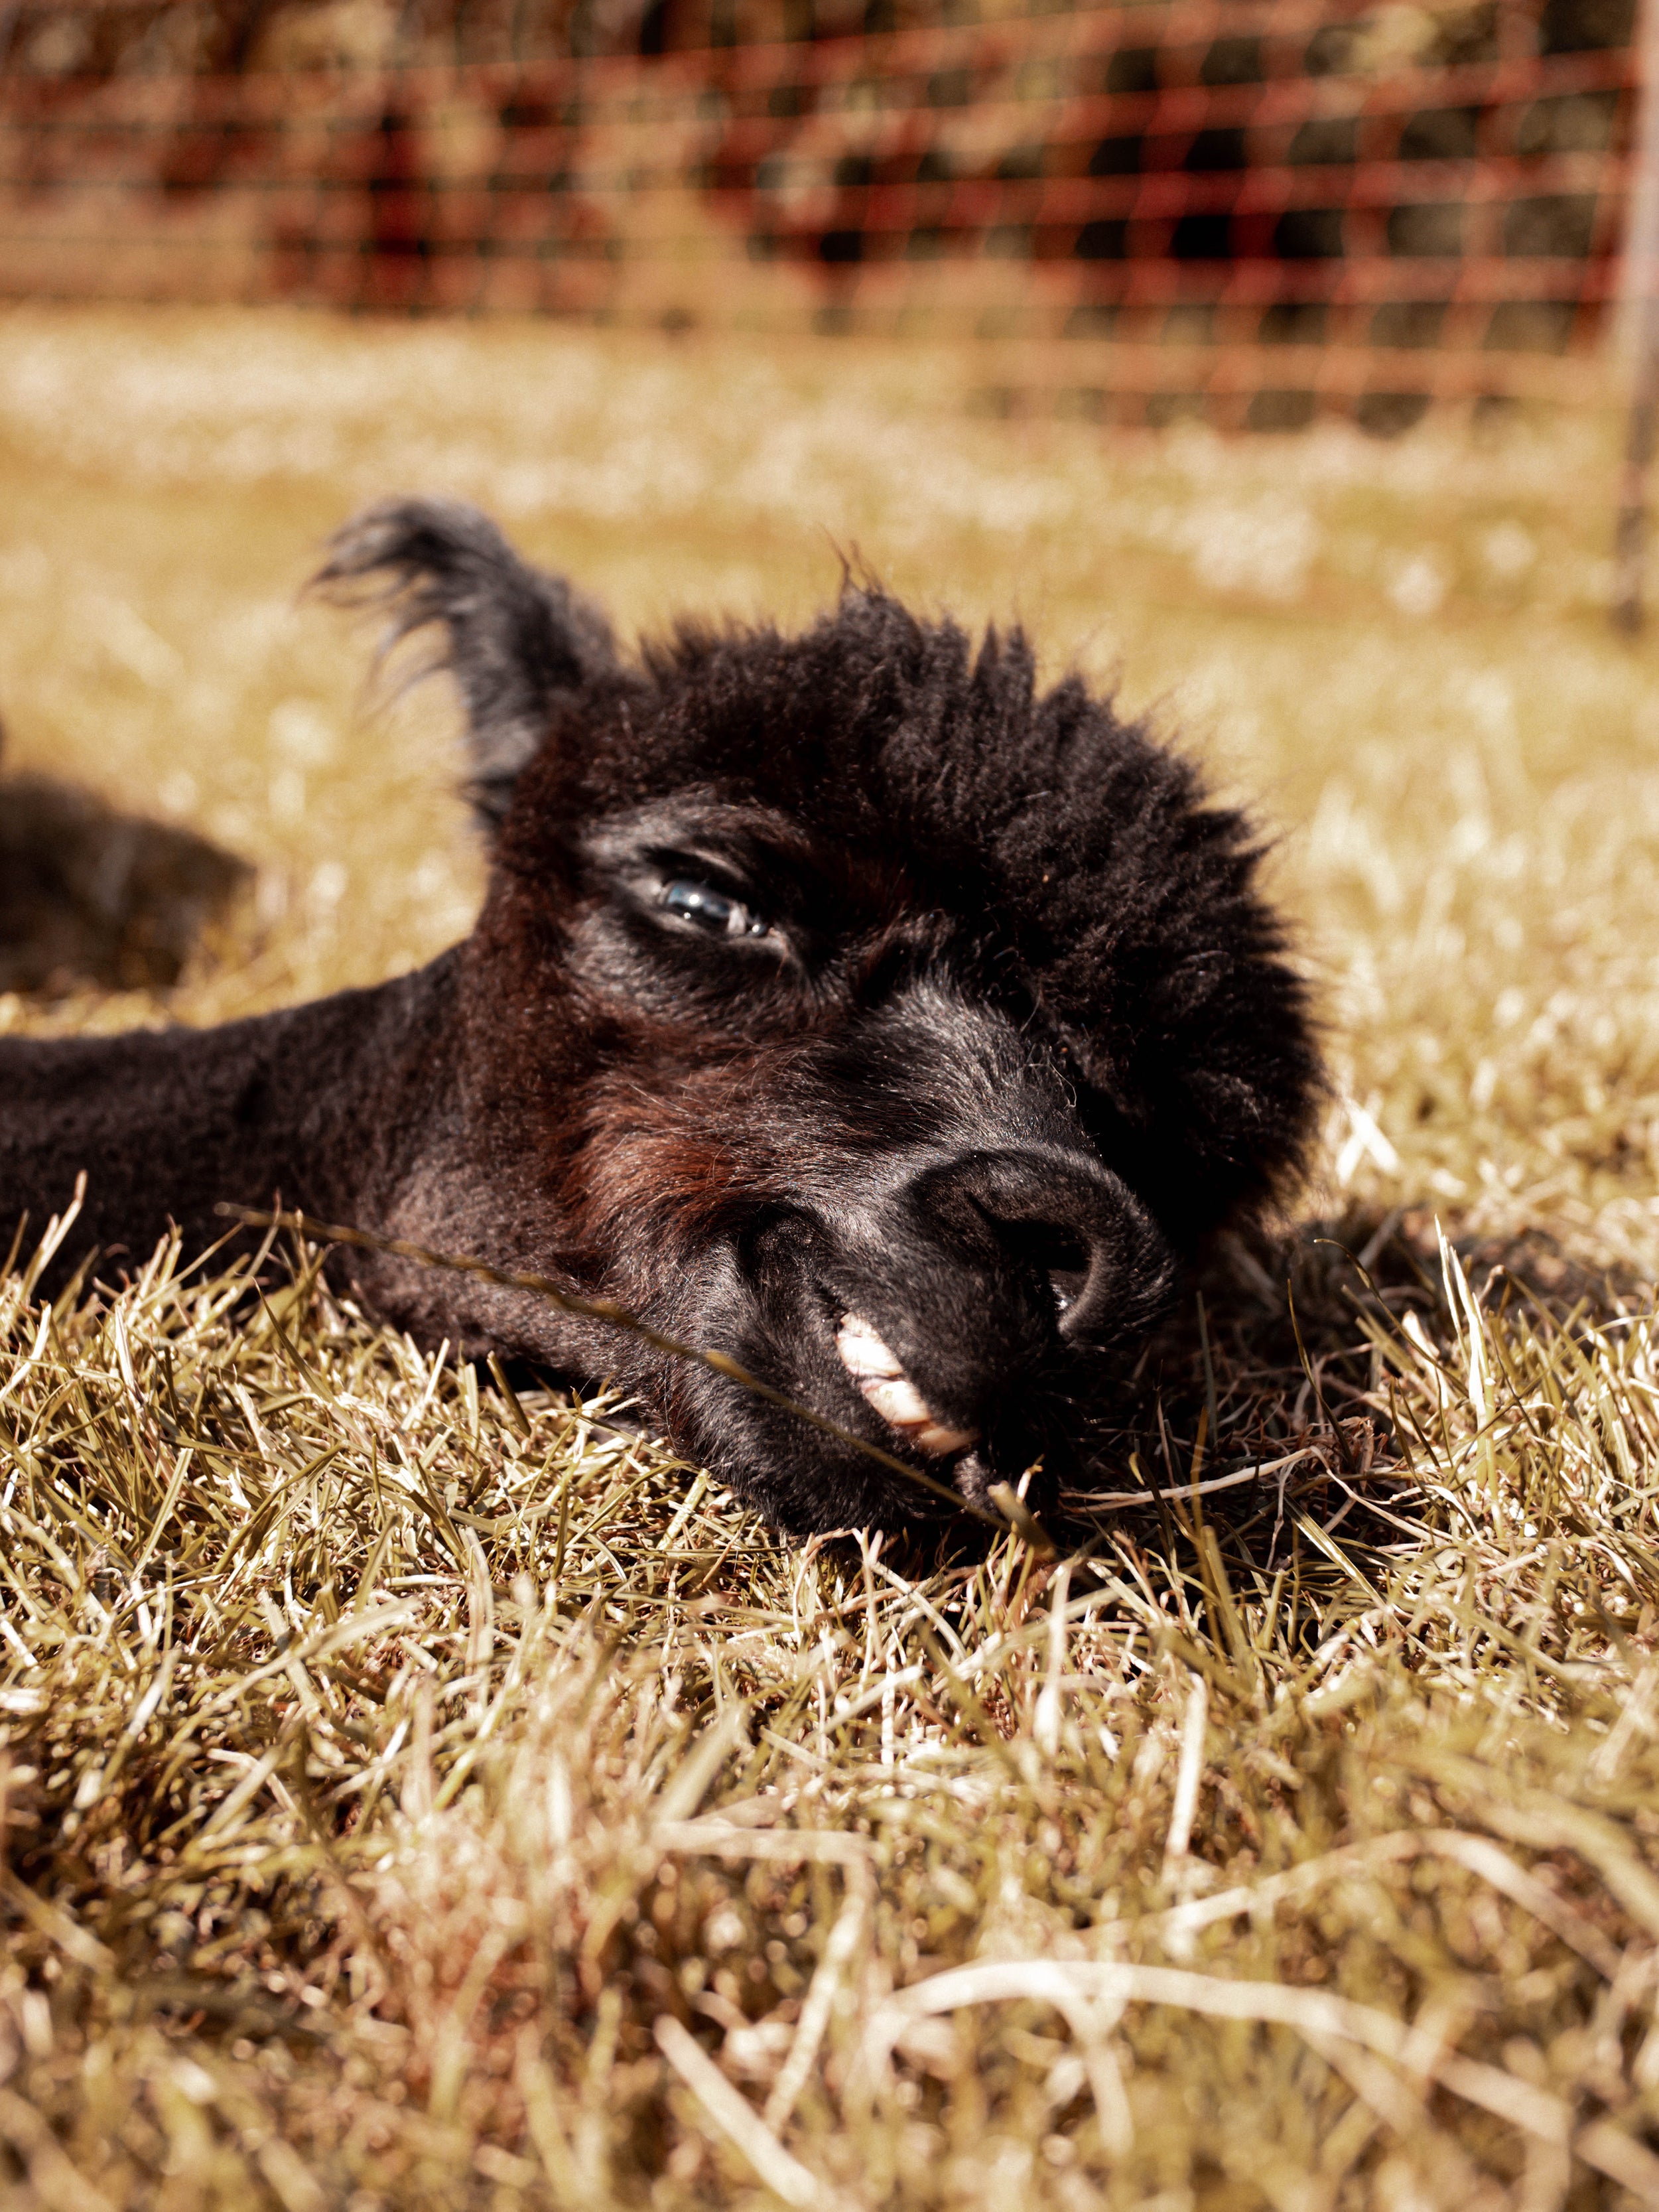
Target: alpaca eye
(709, 911)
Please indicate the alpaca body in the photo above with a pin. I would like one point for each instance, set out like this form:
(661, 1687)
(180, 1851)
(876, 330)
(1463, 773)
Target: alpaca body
(841, 1004)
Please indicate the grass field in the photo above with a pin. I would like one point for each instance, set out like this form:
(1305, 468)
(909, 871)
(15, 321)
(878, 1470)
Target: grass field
(417, 1797)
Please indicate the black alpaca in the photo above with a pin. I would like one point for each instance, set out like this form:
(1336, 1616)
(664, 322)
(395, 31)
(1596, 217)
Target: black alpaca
(840, 1003)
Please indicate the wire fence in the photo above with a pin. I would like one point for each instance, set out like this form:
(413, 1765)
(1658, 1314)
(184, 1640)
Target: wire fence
(1256, 208)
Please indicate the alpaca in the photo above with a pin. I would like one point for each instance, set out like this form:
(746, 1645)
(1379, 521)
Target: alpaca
(840, 1003)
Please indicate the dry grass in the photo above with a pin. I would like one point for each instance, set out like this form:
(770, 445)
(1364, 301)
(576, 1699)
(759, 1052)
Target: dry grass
(417, 1797)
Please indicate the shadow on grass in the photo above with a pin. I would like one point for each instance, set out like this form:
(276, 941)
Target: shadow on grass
(88, 895)
(1262, 1422)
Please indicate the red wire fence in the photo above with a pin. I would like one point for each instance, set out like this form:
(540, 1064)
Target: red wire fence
(1256, 208)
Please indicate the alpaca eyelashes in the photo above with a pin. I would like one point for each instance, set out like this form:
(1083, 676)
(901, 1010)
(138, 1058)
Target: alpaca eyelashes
(712, 912)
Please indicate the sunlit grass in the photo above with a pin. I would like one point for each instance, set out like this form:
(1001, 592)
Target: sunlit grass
(416, 1796)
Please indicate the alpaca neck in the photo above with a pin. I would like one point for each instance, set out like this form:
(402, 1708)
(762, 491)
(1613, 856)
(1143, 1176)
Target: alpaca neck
(335, 1107)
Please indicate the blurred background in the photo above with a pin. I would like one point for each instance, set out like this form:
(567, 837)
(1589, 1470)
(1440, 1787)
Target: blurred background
(1271, 359)
(1254, 212)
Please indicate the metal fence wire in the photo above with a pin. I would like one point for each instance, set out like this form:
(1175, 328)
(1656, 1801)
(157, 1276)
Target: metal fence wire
(1254, 208)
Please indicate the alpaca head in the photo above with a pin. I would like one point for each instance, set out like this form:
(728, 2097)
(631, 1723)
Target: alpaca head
(846, 1005)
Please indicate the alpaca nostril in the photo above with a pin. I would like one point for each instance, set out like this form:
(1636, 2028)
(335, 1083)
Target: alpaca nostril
(1055, 1254)
(1059, 1217)
(1060, 1253)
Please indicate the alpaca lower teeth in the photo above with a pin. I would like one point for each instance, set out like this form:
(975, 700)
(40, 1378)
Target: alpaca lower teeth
(863, 1355)
(898, 1401)
(890, 1392)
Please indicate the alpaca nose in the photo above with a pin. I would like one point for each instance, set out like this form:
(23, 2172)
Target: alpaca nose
(1059, 1216)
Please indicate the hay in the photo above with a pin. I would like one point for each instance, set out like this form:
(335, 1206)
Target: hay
(422, 1791)
(433, 1790)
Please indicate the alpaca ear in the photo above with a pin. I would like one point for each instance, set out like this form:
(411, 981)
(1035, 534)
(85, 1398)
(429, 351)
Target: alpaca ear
(514, 637)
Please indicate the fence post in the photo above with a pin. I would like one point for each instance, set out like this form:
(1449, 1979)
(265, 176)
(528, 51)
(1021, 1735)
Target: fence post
(1639, 318)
